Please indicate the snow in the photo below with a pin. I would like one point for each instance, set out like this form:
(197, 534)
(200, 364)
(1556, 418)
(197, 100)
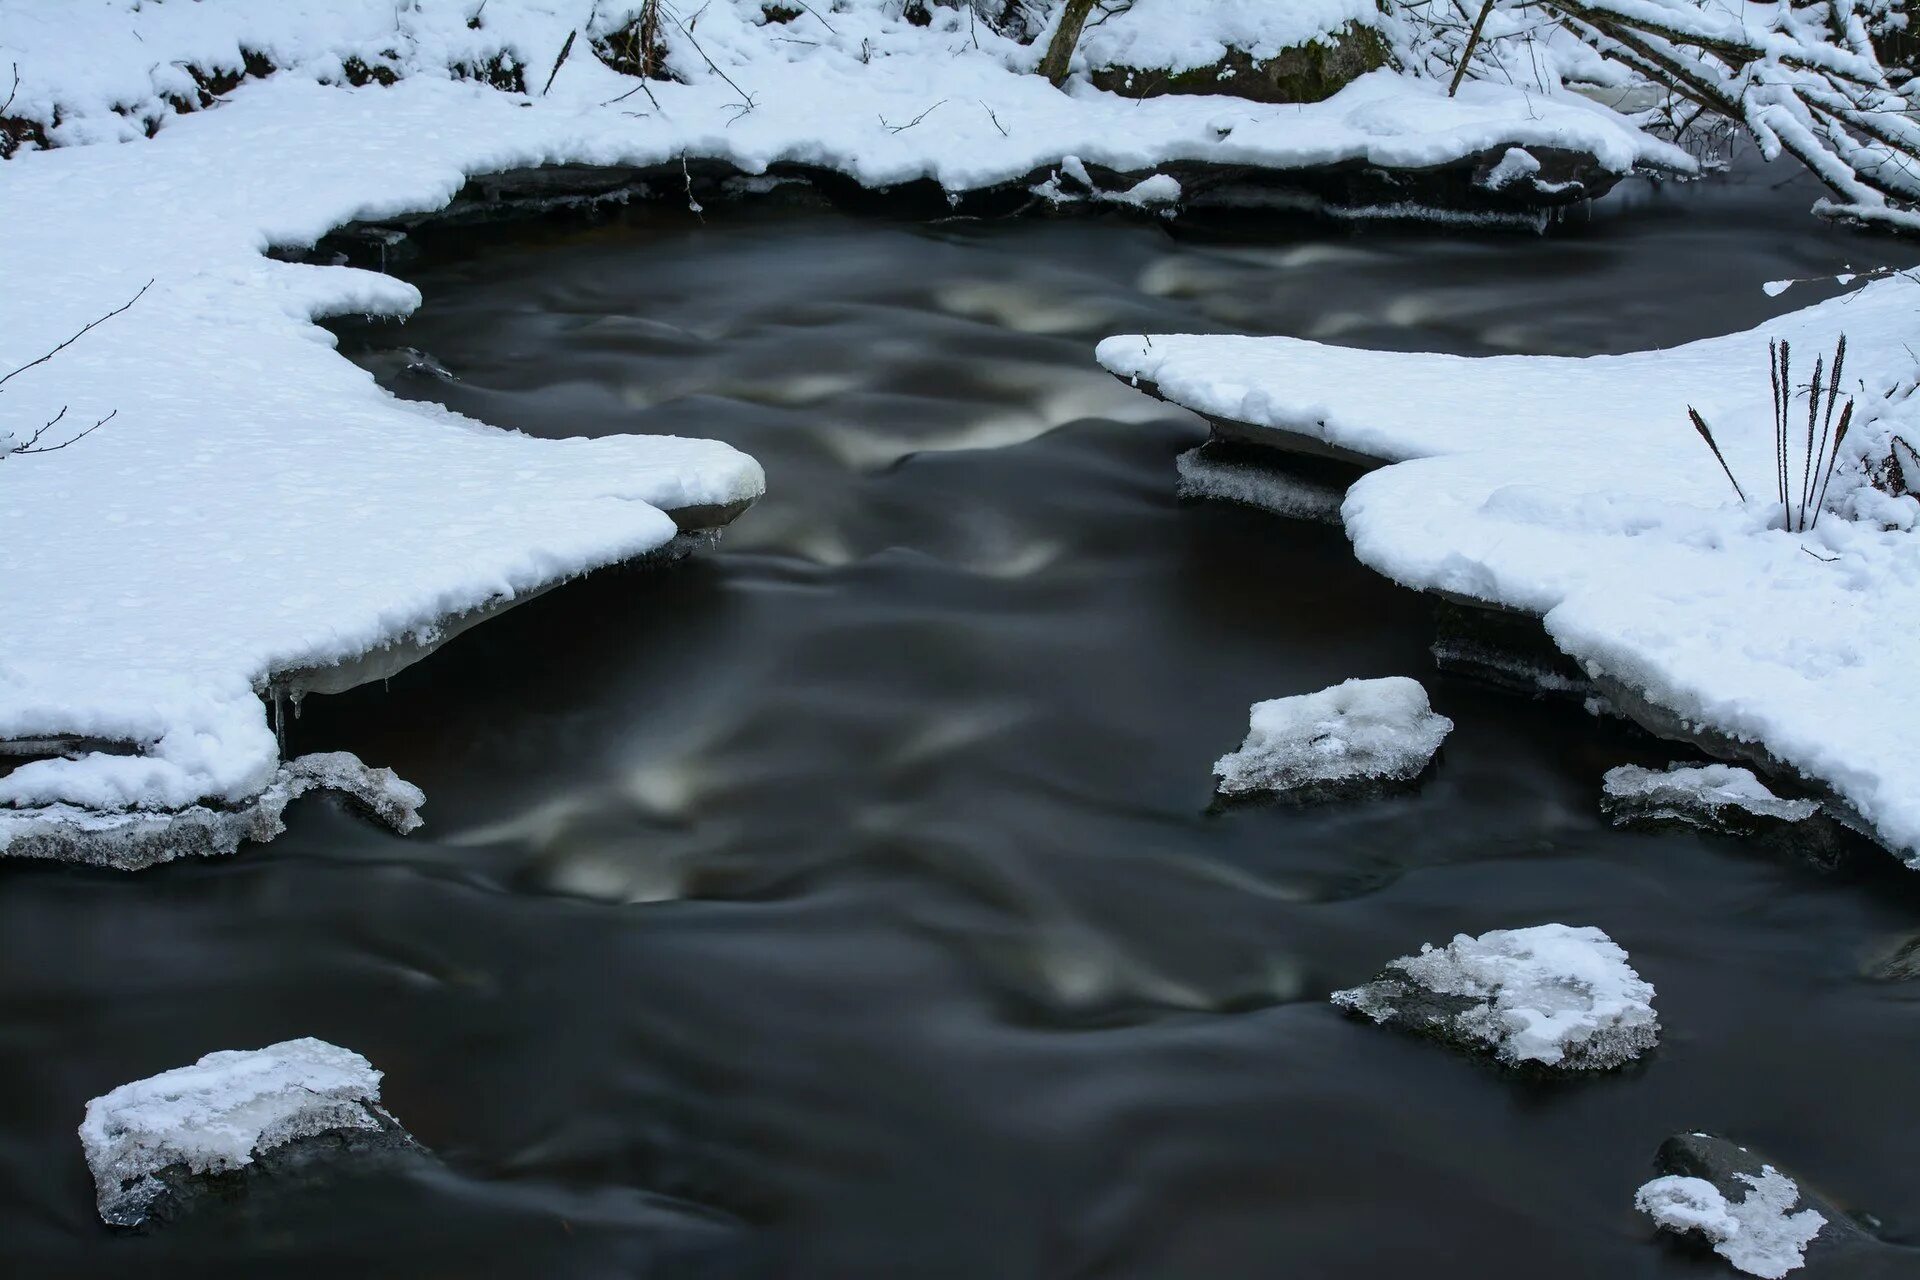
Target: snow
(1758, 1234)
(1359, 732)
(132, 839)
(1183, 35)
(257, 504)
(1554, 995)
(1700, 794)
(1575, 489)
(218, 1114)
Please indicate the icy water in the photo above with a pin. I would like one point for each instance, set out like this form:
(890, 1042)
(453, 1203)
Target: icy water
(846, 902)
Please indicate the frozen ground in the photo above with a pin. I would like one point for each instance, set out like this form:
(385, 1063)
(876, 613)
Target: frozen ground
(1576, 489)
(255, 504)
(1551, 995)
(218, 1114)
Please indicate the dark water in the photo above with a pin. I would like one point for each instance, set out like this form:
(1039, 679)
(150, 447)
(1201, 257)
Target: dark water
(845, 903)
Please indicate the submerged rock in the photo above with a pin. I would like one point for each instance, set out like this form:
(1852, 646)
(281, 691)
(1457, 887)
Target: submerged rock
(1755, 1215)
(134, 839)
(158, 1146)
(1551, 996)
(1357, 738)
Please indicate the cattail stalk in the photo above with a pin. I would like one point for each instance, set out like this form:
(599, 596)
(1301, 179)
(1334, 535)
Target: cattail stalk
(1700, 425)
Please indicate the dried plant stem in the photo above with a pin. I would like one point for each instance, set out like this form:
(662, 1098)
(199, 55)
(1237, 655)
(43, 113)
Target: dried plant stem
(1700, 425)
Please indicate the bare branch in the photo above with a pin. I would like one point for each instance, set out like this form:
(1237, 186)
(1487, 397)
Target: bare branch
(91, 324)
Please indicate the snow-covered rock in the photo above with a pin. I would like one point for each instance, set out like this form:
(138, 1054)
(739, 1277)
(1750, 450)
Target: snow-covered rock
(1356, 737)
(1552, 995)
(1753, 1214)
(133, 839)
(1576, 491)
(1757, 1233)
(151, 1139)
(1713, 797)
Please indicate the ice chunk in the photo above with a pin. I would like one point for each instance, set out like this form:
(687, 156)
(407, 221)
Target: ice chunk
(1714, 797)
(133, 839)
(220, 1113)
(1356, 736)
(1553, 995)
(1758, 1233)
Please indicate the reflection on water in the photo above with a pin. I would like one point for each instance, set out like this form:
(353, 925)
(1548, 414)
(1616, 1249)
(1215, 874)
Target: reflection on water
(847, 903)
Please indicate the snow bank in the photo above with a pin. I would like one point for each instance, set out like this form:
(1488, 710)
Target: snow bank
(218, 1115)
(1552, 995)
(256, 504)
(1757, 1234)
(1576, 489)
(1360, 734)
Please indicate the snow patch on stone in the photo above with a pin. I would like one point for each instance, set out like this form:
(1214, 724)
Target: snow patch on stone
(218, 1114)
(1553, 995)
(1705, 796)
(1359, 733)
(1758, 1234)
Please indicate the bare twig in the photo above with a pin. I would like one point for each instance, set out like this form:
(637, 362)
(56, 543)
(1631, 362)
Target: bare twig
(84, 329)
(902, 128)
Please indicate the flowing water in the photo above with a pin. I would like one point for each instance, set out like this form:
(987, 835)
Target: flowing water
(846, 902)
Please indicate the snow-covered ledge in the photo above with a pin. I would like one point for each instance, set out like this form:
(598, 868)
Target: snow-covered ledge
(1576, 490)
(257, 511)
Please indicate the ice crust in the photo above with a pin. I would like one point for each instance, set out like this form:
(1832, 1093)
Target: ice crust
(1204, 476)
(1759, 1234)
(1552, 995)
(219, 1114)
(133, 839)
(1355, 735)
(1713, 797)
(1574, 490)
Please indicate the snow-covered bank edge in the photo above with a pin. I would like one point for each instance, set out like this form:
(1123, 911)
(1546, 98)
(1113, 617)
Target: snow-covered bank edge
(257, 507)
(1575, 492)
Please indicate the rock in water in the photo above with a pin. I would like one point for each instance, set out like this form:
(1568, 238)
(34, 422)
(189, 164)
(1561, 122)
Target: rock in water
(1551, 996)
(1360, 737)
(1752, 1214)
(1730, 801)
(151, 1142)
(1715, 797)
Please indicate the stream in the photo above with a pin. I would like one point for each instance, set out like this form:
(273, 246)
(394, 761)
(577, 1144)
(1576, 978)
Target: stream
(847, 901)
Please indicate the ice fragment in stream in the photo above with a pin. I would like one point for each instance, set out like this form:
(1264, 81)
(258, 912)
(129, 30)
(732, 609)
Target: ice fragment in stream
(1757, 1233)
(1356, 737)
(155, 1138)
(1553, 996)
